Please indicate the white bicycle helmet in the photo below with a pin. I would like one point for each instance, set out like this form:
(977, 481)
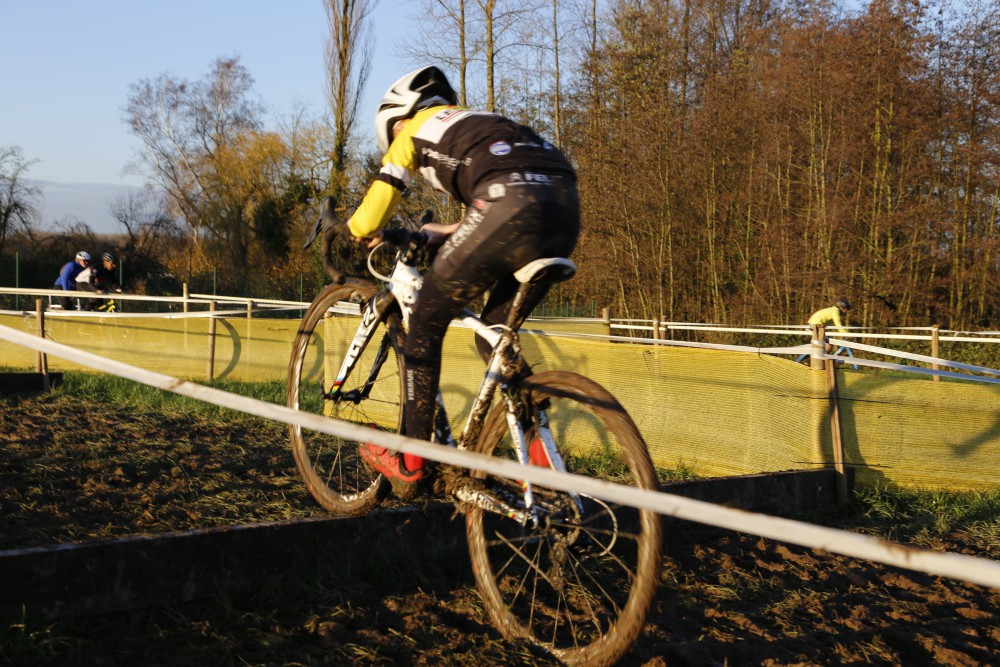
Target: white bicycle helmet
(417, 90)
(83, 255)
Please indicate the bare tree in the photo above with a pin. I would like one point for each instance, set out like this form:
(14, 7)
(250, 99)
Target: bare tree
(183, 126)
(153, 239)
(453, 46)
(504, 29)
(348, 64)
(482, 40)
(192, 132)
(144, 216)
(18, 198)
(556, 101)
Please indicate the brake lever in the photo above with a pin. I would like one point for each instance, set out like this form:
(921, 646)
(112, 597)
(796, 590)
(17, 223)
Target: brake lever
(314, 233)
(327, 220)
(327, 223)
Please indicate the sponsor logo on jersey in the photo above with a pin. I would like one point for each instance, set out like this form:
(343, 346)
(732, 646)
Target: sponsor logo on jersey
(527, 178)
(449, 115)
(469, 224)
(500, 148)
(445, 160)
(496, 191)
(537, 178)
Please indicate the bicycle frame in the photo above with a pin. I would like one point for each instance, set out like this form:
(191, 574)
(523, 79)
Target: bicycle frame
(504, 364)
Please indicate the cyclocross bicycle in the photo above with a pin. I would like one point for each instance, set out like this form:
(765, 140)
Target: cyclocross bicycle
(572, 573)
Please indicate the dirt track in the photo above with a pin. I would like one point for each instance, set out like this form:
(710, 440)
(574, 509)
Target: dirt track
(72, 471)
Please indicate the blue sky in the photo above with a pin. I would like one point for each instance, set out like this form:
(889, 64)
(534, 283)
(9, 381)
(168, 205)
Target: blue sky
(67, 66)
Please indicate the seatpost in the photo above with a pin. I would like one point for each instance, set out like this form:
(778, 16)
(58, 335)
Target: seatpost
(527, 293)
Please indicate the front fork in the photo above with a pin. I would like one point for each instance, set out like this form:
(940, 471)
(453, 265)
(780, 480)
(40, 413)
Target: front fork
(372, 312)
(532, 514)
(523, 417)
(537, 415)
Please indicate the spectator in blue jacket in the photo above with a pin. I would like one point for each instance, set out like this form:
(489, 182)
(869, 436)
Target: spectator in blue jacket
(67, 277)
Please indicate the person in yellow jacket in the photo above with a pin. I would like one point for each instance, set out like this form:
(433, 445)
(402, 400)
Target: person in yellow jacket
(834, 315)
(521, 204)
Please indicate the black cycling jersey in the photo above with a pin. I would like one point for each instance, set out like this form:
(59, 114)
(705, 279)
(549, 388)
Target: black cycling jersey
(454, 150)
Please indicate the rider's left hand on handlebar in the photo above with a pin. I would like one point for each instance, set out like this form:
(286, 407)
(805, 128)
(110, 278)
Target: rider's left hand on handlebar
(371, 242)
(438, 233)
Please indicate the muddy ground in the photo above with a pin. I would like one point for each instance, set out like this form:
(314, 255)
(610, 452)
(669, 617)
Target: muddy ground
(74, 470)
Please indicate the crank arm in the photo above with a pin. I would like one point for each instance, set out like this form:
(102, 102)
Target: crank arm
(468, 496)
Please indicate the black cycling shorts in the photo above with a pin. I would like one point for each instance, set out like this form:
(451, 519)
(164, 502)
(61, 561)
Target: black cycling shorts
(514, 219)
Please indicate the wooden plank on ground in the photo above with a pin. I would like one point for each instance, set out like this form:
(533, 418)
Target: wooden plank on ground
(152, 570)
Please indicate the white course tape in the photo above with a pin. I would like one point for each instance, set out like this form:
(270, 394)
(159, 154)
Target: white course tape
(959, 566)
(911, 356)
(803, 348)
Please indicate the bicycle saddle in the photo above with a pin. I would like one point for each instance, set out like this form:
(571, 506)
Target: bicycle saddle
(555, 269)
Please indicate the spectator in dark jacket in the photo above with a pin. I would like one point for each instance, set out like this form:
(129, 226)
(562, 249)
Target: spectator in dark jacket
(68, 275)
(99, 278)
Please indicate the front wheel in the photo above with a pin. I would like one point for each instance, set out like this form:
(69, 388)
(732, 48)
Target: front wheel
(369, 395)
(580, 583)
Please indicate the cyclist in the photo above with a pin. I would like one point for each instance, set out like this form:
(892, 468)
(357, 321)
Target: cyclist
(833, 315)
(99, 278)
(521, 204)
(67, 277)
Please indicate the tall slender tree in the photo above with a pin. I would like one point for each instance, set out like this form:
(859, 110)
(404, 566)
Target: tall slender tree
(348, 65)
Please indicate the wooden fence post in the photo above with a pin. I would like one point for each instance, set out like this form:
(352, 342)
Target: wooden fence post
(836, 435)
(818, 347)
(211, 341)
(185, 297)
(936, 348)
(656, 329)
(606, 316)
(41, 359)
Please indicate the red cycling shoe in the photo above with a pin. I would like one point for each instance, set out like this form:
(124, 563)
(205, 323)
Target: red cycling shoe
(405, 483)
(537, 454)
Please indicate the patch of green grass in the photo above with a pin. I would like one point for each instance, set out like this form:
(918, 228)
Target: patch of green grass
(609, 464)
(679, 474)
(104, 388)
(929, 518)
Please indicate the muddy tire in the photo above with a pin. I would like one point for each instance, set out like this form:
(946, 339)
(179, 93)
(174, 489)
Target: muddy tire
(579, 584)
(331, 466)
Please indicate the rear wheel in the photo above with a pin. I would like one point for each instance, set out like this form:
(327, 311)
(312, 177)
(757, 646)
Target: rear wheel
(331, 466)
(580, 583)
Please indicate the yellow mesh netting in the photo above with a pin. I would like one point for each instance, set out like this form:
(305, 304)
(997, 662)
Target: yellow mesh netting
(711, 412)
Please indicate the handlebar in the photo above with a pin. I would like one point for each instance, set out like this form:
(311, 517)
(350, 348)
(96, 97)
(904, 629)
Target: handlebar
(411, 244)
